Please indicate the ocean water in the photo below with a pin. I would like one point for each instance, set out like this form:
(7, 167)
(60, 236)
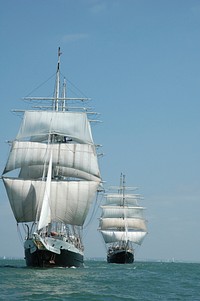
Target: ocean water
(98, 281)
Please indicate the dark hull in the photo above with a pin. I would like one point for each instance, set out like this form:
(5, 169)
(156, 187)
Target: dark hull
(44, 258)
(121, 257)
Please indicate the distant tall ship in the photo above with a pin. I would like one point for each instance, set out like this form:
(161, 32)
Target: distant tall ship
(122, 223)
(54, 178)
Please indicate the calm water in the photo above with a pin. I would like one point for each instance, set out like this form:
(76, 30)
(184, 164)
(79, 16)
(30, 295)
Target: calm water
(101, 281)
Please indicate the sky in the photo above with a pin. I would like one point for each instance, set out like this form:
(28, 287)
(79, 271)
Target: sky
(139, 61)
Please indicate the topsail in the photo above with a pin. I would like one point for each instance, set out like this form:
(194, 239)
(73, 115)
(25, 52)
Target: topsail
(37, 125)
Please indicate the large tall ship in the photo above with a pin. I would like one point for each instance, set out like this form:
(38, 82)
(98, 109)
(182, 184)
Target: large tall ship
(53, 178)
(122, 223)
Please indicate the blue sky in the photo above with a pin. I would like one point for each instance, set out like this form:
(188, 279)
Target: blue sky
(139, 60)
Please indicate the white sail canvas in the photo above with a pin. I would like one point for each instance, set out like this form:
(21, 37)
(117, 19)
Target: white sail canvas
(119, 211)
(119, 199)
(69, 201)
(45, 214)
(115, 236)
(130, 223)
(37, 125)
(81, 157)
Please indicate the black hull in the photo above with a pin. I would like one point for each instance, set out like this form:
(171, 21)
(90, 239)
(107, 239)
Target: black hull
(121, 257)
(44, 258)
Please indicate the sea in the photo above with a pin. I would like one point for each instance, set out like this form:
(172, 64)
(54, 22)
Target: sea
(100, 281)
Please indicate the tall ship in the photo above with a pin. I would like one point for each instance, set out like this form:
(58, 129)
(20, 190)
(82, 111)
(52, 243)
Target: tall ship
(52, 177)
(122, 223)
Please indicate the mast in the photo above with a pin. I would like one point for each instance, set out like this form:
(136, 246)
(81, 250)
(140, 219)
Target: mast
(123, 190)
(56, 99)
(123, 196)
(64, 94)
(57, 81)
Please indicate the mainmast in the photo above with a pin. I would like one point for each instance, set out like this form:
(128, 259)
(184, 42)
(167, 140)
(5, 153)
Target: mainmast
(122, 188)
(123, 182)
(57, 101)
(57, 81)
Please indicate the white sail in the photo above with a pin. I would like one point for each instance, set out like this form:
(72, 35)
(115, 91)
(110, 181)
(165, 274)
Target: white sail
(119, 211)
(115, 236)
(119, 199)
(24, 199)
(37, 125)
(36, 172)
(81, 157)
(69, 201)
(125, 223)
(45, 215)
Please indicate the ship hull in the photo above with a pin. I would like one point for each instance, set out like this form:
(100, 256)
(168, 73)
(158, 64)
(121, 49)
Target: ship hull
(120, 256)
(51, 253)
(44, 258)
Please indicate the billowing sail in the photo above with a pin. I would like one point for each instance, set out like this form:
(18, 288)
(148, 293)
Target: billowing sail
(45, 215)
(81, 157)
(37, 125)
(36, 172)
(119, 211)
(119, 199)
(69, 201)
(131, 223)
(115, 236)
(67, 136)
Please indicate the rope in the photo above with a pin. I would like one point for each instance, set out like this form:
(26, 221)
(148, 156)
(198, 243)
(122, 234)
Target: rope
(93, 214)
(40, 85)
